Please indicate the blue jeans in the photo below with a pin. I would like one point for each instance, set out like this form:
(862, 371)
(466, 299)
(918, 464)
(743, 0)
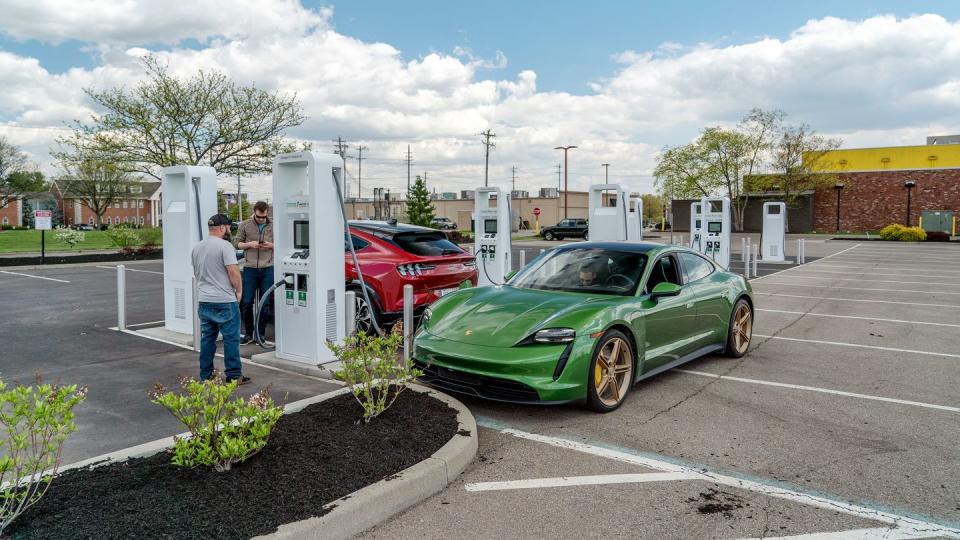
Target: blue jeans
(219, 318)
(256, 281)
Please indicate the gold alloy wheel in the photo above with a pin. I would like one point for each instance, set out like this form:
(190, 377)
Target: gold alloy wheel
(742, 328)
(613, 372)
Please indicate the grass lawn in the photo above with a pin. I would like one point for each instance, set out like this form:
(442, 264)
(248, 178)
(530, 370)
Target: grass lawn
(29, 241)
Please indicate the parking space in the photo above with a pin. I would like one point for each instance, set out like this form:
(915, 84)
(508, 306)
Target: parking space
(842, 421)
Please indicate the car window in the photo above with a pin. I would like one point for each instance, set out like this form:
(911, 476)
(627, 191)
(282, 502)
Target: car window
(426, 244)
(696, 266)
(584, 270)
(358, 243)
(664, 271)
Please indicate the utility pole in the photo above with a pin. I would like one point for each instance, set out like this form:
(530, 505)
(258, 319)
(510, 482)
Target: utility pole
(341, 150)
(409, 158)
(606, 172)
(513, 179)
(360, 158)
(559, 170)
(488, 143)
(566, 178)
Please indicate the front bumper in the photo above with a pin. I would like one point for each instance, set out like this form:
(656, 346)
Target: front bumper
(522, 374)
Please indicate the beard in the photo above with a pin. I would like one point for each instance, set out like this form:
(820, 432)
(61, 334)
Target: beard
(227, 236)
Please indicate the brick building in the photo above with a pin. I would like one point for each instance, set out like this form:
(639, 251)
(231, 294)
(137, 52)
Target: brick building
(12, 213)
(139, 206)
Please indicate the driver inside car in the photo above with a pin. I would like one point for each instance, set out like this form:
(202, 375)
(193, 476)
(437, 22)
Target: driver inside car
(590, 270)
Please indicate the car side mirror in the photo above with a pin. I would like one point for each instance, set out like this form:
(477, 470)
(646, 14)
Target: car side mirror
(664, 289)
(510, 275)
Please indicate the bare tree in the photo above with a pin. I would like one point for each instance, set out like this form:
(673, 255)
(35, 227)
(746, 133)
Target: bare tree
(204, 120)
(96, 184)
(12, 161)
(799, 157)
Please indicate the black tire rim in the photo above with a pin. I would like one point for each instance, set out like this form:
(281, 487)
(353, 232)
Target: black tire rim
(364, 319)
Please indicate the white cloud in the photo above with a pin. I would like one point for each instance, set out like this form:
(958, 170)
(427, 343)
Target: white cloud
(878, 81)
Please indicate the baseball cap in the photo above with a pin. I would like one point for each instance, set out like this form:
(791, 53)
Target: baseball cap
(219, 219)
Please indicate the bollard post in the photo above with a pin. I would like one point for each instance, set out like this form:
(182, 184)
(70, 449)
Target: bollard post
(121, 297)
(350, 315)
(746, 264)
(756, 254)
(743, 249)
(196, 315)
(523, 258)
(803, 250)
(407, 319)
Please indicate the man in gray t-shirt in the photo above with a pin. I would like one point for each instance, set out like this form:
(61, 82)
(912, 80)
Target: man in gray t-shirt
(219, 288)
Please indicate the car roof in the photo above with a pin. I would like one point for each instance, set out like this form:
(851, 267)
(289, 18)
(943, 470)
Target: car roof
(387, 227)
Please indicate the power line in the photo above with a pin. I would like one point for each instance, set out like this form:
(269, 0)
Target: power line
(360, 158)
(513, 178)
(409, 159)
(488, 144)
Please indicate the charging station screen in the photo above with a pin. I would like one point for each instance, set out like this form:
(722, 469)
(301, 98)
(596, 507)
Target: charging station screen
(715, 226)
(301, 234)
(490, 226)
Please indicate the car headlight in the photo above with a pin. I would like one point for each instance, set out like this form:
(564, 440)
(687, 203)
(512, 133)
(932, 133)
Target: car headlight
(427, 313)
(555, 335)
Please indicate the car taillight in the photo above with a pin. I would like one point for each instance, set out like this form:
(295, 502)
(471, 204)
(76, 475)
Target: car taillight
(416, 269)
(471, 264)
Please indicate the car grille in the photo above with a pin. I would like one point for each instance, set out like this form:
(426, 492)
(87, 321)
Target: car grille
(476, 385)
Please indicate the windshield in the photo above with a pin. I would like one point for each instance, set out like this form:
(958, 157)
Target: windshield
(587, 270)
(426, 244)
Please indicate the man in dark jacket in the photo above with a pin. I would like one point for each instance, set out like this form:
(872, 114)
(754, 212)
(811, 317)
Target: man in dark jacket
(255, 238)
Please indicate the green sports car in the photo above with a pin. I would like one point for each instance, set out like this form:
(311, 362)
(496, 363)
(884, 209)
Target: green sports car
(583, 323)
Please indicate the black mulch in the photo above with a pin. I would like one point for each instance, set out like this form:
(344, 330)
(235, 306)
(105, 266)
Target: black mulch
(314, 457)
(68, 259)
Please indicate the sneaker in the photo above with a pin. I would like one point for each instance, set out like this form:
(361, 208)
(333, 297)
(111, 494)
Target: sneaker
(240, 380)
(246, 340)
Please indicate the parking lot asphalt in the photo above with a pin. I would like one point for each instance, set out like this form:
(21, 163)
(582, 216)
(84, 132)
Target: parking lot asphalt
(843, 420)
(57, 324)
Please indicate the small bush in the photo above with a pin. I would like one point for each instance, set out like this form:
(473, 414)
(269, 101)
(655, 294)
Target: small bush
(374, 371)
(6, 227)
(35, 422)
(70, 237)
(123, 237)
(895, 231)
(150, 235)
(222, 431)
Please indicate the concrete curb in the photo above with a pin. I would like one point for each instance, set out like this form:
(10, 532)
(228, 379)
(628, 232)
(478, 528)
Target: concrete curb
(269, 358)
(374, 504)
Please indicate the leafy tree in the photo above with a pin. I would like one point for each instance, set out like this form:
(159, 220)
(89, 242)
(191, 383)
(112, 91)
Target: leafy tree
(27, 214)
(12, 161)
(27, 181)
(205, 120)
(419, 205)
(234, 210)
(652, 206)
(798, 156)
(96, 184)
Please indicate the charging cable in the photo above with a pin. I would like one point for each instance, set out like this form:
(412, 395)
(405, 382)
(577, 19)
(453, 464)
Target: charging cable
(356, 264)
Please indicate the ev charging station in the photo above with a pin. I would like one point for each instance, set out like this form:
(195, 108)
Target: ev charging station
(308, 243)
(774, 231)
(635, 219)
(696, 217)
(492, 235)
(189, 199)
(714, 229)
(608, 223)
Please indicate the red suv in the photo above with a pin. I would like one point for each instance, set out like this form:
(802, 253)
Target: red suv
(393, 255)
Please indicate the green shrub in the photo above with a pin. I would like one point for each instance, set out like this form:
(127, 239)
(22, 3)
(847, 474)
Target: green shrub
(6, 227)
(70, 237)
(895, 231)
(150, 236)
(891, 232)
(373, 369)
(223, 431)
(36, 421)
(123, 237)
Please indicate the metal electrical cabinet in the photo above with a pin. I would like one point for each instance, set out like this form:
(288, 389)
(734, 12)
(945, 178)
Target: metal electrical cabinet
(937, 221)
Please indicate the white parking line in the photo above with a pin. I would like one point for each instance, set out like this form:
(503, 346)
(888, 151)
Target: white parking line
(868, 272)
(916, 271)
(852, 534)
(564, 481)
(951, 306)
(802, 266)
(822, 390)
(912, 258)
(899, 321)
(859, 346)
(906, 524)
(863, 280)
(831, 287)
(34, 277)
(144, 324)
(131, 270)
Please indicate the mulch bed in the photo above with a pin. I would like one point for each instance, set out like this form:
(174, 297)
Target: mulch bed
(314, 457)
(68, 259)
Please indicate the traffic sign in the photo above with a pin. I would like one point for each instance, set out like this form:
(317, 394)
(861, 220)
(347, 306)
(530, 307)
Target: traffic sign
(536, 211)
(43, 220)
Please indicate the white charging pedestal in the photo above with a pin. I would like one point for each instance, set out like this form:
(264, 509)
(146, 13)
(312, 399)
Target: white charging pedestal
(696, 216)
(714, 229)
(189, 199)
(607, 223)
(492, 246)
(774, 231)
(635, 219)
(308, 253)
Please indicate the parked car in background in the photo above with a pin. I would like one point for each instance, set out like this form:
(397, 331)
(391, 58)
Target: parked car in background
(567, 228)
(444, 224)
(82, 227)
(393, 255)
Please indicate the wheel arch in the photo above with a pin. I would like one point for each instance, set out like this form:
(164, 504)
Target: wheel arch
(627, 331)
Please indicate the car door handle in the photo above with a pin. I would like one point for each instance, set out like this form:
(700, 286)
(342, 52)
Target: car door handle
(689, 305)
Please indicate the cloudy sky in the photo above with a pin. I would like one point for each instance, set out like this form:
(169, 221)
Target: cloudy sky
(618, 79)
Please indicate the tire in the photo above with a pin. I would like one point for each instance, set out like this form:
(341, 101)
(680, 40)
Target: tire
(740, 330)
(548, 236)
(608, 384)
(363, 315)
(586, 235)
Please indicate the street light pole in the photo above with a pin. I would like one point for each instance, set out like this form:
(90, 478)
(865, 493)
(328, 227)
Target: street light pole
(566, 190)
(839, 187)
(909, 184)
(606, 172)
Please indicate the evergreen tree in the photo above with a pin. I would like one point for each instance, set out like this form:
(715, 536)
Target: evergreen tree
(419, 205)
(27, 214)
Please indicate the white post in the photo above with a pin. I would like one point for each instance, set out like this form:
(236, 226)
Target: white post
(350, 316)
(196, 315)
(756, 255)
(407, 319)
(803, 251)
(523, 259)
(121, 297)
(743, 249)
(746, 264)
(798, 250)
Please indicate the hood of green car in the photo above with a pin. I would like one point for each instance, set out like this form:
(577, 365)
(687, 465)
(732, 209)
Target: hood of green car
(502, 316)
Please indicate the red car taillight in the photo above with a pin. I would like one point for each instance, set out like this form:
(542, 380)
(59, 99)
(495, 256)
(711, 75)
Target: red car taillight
(416, 269)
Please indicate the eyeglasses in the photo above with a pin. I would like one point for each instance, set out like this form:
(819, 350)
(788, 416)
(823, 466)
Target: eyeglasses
(259, 217)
